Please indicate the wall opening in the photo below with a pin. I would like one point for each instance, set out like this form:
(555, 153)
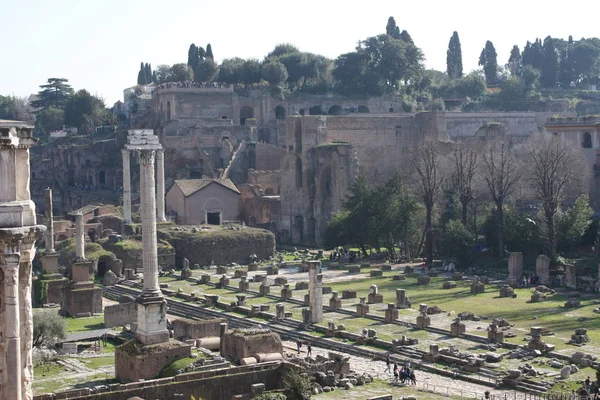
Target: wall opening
(301, 111)
(365, 109)
(245, 113)
(335, 110)
(252, 221)
(298, 135)
(92, 234)
(102, 178)
(316, 110)
(299, 228)
(251, 160)
(269, 192)
(213, 217)
(102, 268)
(168, 110)
(587, 140)
(298, 172)
(264, 135)
(279, 112)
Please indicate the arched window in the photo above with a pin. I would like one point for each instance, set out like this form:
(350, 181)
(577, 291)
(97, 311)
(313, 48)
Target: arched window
(279, 112)
(102, 178)
(168, 110)
(264, 135)
(315, 110)
(335, 110)
(587, 140)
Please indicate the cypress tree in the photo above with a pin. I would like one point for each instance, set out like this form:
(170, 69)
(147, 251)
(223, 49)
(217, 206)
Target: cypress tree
(141, 80)
(209, 53)
(148, 72)
(515, 63)
(201, 54)
(193, 56)
(550, 65)
(489, 61)
(406, 37)
(396, 34)
(391, 26)
(454, 66)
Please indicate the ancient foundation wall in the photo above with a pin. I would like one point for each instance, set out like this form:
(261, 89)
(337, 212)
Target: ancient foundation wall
(120, 314)
(83, 301)
(466, 124)
(268, 157)
(238, 345)
(190, 329)
(131, 365)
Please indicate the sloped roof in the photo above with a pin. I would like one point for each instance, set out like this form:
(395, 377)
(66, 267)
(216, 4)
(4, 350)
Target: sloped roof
(191, 186)
(87, 335)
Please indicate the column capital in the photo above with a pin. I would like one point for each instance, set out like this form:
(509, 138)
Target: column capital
(125, 152)
(146, 156)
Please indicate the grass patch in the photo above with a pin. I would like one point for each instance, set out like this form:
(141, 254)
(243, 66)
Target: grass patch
(47, 370)
(98, 362)
(171, 369)
(84, 324)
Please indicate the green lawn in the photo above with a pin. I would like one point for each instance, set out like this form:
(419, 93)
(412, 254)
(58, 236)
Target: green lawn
(84, 324)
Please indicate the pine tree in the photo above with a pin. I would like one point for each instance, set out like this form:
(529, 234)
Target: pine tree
(454, 66)
(406, 37)
(391, 26)
(550, 65)
(515, 63)
(209, 53)
(193, 56)
(488, 59)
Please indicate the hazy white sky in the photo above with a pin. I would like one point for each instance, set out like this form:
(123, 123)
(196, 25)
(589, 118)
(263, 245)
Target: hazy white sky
(98, 44)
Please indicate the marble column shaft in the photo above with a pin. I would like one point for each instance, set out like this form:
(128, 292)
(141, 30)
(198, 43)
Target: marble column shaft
(160, 185)
(12, 326)
(126, 186)
(315, 286)
(26, 308)
(49, 222)
(79, 238)
(149, 239)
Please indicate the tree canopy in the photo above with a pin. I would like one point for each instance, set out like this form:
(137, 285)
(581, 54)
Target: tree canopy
(55, 93)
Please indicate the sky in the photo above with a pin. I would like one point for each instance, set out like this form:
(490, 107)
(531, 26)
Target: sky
(98, 44)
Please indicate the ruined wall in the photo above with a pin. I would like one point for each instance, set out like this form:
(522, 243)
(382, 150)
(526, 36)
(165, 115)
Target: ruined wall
(190, 329)
(269, 181)
(120, 314)
(132, 363)
(466, 124)
(241, 343)
(220, 246)
(82, 302)
(260, 211)
(268, 157)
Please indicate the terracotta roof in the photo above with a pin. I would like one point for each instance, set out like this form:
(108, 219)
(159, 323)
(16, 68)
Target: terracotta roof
(191, 186)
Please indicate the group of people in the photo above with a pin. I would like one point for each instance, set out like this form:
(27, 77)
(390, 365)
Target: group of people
(404, 374)
(340, 252)
(308, 348)
(188, 84)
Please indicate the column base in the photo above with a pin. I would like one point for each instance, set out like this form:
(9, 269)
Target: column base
(50, 262)
(151, 321)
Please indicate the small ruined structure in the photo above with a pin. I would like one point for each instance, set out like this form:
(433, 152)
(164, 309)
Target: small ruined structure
(536, 342)
(457, 328)
(507, 291)
(335, 303)
(315, 291)
(243, 285)
(423, 280)
(374, 296)
(537, 297)
(477, 286)
(18, 233)
(515, 266)
(391, 313)
(450, 285)
(264, 288)
(286, 292)
(580, 337)
(251, 346)
(362, 308)
(572, 302)
(542, 269)
(570, 276)
(132, 361)
(402, 300)
(423, 320)
(495, 334)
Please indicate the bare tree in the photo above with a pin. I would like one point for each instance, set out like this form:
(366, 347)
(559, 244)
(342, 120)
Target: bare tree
(463, 177)
(428, 181)
(501, 176)
(556, 171)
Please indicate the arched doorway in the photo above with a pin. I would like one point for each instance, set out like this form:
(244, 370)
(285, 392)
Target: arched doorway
(264, 135)
(587, 140)
(335, 110)
(315, 110)
(103, 265)
(92, 234)
(279, 112)
(102, 178)
(245, 113)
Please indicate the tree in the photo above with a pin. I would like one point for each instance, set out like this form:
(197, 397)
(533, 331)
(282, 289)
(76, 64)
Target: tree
(209, 52)
(556, 170)
(462, 178)
(142, 79)
(281, 49)
(181, 73)
(230, 71)
(206, 71)
(274, 72)
(550, 65)
(501, 174)
(454, 66)
(163, 74)
(84, 111)
(456, 241)
(148, 70)
(251, 71)
(49, 120)
(406, 37)
(574, 223)
(390, 28)
(428, 181)
(193, 56)
(515, 63)
(53, 94)
(297, 386)
(48, 327)
(489, 61)
(15, 108)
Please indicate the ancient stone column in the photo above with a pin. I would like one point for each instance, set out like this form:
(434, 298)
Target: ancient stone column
(160, 186)
(79, 238)
(12, 324)
(26, 317)
(126, 187)
(49, 222)
(152, 310)
(315, 291)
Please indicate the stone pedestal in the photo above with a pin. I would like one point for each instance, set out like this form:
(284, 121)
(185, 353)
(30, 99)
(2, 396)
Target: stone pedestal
(450, 285)
(280, 311)
(50, 262)
(570, 277)
(376, 273)
(515, 265)
(402, 300)
(205, 278)
(315, 290)
(223, 281)
(335, 303)
(495, 335)
(391, 314)
(477, 287)
(221, 270)
(457, 328)
(507, 291)
(362, 309)
(423, 321)
(264, 289)
(286, 292)
(423, 280)
(244, 285)
(542, 269)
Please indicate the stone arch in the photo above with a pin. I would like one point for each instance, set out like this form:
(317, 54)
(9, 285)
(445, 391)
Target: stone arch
(104, 263)
(279, 112)
(245, 113)
(335, 110)
(587, 140)
(298, 172)
(102, 177)
(316, 110)
(168, 110)
(264, 135)
(365, 109)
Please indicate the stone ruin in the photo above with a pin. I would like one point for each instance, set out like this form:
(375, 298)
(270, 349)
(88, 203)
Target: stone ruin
(376, 273)
(251, 346)
(335, 303)
(457, 328)
(374, 296)
(477, 286)
(537, 343)
(362, 308)
(264, 288)
(403, 341)
(402, 300)
(449, 285)
(110, 278)
(326, 379)
(495, 334)
(580, 337)
(507, 291)
(542, 269)
(349, 294)
(572, 302)
(332, 329)
(286, 292)
(223, 281)
(240, 273)
(391, 313)
(423, 280)
(582, 359)
(243, 285)
(434, 310)
(241, 300)
(399, 277)
(423, 320)
(570, 276)
(537, 297)
(408, 269)
(186, 272)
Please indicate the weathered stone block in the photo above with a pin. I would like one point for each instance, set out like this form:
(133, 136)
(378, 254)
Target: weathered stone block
(423, 280)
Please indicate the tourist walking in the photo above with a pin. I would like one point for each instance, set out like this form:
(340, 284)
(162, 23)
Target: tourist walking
(298, 345)
(396, 372)
(388, 364)
(308, 350)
